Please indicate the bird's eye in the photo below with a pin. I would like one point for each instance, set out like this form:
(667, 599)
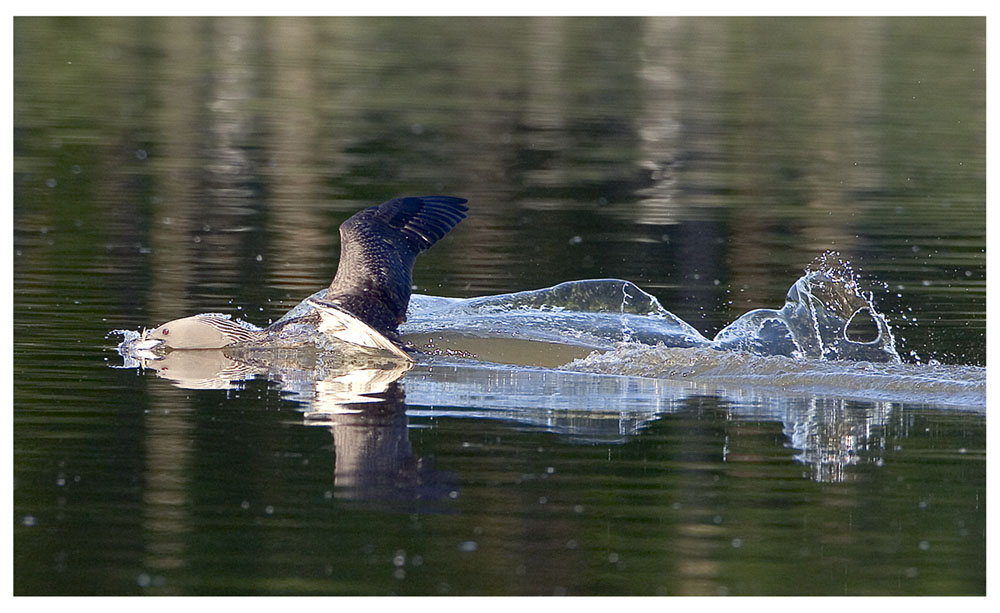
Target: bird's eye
(166, 331)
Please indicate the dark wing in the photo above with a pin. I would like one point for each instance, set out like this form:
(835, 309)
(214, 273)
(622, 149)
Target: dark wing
(378, 247)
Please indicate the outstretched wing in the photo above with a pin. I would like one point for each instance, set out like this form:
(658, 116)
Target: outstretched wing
(378, 247)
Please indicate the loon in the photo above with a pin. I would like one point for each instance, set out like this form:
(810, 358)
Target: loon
(368, 298)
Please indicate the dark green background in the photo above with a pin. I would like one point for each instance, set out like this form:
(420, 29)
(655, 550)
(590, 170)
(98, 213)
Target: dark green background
(164, 167)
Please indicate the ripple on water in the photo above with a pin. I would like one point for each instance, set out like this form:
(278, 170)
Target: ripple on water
(963, 386)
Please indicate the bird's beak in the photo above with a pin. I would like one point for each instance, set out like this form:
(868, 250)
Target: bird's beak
(146, 344)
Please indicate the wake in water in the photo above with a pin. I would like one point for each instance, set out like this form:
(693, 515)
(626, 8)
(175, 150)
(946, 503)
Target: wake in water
(826, 316)
(828, 337)
(934, 384)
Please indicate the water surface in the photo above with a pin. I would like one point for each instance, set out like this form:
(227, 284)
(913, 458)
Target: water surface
(166, 167)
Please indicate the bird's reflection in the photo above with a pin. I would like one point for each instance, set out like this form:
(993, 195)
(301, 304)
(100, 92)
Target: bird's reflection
(358, 397)
(366, 414)
(207, 369)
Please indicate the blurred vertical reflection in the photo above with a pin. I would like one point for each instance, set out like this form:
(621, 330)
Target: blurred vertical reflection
(301, 242)
(702, 158)
(164, 167)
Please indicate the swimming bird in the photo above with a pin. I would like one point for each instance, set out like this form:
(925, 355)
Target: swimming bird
(368, 298)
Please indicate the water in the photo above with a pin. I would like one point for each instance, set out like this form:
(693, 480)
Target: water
(828, 338)
(169, 167)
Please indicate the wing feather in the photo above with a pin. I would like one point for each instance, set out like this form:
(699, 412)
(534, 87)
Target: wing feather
(378, 247)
